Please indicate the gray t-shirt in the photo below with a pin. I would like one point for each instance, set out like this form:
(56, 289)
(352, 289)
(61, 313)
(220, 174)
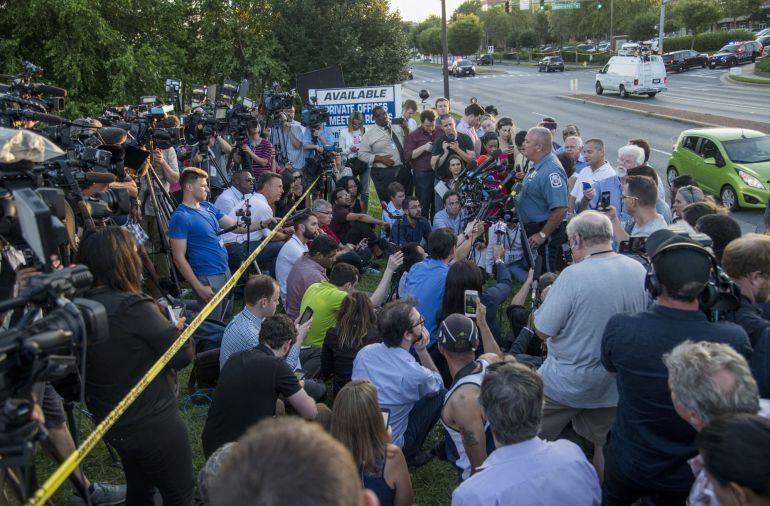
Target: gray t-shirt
(647, 229)
(574, 314)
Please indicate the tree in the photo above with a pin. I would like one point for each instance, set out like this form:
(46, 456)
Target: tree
(464, 34)
(697, 15)
(467, 7)
(736, 8)
(528, 39)
(642, 26)
(498, 25)
(430, 41)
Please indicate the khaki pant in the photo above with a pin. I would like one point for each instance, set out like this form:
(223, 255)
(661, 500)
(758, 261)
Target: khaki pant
(592, 423)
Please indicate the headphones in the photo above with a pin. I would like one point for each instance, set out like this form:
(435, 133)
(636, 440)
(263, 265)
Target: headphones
(714, 286)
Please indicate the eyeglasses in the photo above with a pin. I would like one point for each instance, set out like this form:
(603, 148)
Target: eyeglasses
(629, 197)
(296, 178)
(421, 322)
(324, 212)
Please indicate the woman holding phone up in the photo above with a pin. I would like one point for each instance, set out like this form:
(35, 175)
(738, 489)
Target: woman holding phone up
(358, 423)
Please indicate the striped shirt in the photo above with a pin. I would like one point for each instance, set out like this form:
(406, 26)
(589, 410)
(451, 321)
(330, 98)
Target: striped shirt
(242, 333)
(263, 150)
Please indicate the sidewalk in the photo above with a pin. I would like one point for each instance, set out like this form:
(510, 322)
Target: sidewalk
(655, 111)
(749, 76)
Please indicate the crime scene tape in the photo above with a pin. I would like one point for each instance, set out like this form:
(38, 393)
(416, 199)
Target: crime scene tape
(66, 468)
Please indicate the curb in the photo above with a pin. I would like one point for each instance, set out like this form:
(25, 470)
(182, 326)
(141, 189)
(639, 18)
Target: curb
(643, 113)
(729, 79)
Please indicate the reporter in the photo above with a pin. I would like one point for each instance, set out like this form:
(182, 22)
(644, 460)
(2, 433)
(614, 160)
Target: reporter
(357, 423)
(150, 437)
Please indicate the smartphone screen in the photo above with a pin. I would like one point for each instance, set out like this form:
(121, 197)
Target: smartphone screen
(586, 186)
(605, 201)
(385, 416)
(470, 302)
(306, 315)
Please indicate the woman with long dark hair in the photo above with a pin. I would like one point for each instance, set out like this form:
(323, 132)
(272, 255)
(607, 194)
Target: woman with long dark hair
(150, 437)
(353, 186)
(356, 327)
(466, 275)
(358, 423)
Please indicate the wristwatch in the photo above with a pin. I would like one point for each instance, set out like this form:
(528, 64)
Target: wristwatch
(542, 235)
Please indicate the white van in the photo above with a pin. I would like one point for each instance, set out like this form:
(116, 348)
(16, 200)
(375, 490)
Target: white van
(641, 75)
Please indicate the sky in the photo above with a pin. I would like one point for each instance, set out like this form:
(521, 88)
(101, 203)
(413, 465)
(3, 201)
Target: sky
(418, 10)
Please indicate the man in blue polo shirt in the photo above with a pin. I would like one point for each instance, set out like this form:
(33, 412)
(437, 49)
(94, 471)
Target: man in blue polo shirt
(412, 227)
(196, 248)
(542, 202)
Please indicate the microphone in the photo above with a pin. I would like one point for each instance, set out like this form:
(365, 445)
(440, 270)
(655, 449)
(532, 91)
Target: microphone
(504, 183)
(228, 229)
(492, 159)
(49, 90)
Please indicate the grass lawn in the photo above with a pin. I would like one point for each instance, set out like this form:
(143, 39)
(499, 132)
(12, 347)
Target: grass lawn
(751, 80)
(433, 483)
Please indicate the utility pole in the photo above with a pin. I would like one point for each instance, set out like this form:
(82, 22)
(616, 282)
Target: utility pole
(444, 49)
(660, 26)
(612, 14)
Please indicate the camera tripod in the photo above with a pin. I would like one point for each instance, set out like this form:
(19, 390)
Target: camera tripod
(163, 204)
(209, 160)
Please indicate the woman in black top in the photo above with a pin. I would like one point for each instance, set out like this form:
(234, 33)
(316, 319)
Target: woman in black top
(150, 437)
(293, 189)
(353, 186)
(356, 325)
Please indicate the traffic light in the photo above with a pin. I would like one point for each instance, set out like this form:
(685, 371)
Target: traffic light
(508, 7)
(542, 5)
(599, 5)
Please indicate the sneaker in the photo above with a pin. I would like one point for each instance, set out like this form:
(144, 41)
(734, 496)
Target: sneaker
(372, 271)
(422, 458)
(104, 494)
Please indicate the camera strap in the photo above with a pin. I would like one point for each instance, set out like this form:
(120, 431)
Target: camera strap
(397, 143)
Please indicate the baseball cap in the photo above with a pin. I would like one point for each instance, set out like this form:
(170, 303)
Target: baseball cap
(458, 334)
(678, 266)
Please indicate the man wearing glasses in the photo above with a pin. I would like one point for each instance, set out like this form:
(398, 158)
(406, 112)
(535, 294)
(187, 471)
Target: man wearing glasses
(412, 227)
(411, 391)
(640, 195)
(242, 186)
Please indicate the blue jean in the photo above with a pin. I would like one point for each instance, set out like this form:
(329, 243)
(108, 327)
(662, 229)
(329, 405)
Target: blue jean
(519, 270)
(422, 418)
(364, 189)
(266, 258)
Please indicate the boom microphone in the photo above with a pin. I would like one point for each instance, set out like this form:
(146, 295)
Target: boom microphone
(41, 116)
(100, 177)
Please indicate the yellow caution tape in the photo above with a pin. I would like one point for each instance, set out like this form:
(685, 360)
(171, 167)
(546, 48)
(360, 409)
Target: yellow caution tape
(66, 468)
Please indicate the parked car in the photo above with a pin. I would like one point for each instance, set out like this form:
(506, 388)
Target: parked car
(462, 68)
(603, 47)
(680, 61)
(586, 48)
(628, 49)
(735, 54)
(765, 41)
(632, 74)
(551, 64)
(731, 163)
(485, 59)
(763, 32)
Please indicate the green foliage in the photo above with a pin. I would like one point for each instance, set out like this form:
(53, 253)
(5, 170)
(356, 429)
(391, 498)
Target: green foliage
(429, 41)
(464, 34)
(467, 7)
(114, 51)
(642, 26)
(735, 8)
(696, 15)
(498, 25)
(528, 38)
(763, 64)
(706, 41)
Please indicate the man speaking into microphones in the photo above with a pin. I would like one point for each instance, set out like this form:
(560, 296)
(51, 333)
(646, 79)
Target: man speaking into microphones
(542, 202)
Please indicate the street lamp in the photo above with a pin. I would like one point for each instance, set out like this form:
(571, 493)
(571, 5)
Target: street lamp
(660, 26)
(444, 49)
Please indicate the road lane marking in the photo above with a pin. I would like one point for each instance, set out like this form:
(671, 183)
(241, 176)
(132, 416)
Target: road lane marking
(661, 152)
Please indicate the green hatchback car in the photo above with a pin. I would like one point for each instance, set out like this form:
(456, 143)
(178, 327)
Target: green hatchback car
(731, 163)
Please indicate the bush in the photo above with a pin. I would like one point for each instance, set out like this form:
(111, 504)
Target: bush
(763, 65)
(706, 41)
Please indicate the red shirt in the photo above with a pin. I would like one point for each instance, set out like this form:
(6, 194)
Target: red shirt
(328, 231)
(415, 140)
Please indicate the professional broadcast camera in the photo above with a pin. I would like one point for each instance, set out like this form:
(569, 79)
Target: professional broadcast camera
(21, 100)
(275, 101)
(314, 117)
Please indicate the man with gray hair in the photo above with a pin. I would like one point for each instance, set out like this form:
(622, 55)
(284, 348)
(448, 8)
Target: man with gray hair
(542, 202)
(573, 146)
(572, 319)
(524, 469)
(709, 380)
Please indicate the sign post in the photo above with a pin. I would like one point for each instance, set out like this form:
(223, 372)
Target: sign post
(340, 102)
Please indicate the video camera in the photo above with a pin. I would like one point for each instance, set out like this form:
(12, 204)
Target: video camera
(21, 99)
(314, 117)
(275, 101)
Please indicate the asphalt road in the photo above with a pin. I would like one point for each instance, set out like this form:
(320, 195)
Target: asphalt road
(527, 96)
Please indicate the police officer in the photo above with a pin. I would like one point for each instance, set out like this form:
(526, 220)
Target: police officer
(542, 202)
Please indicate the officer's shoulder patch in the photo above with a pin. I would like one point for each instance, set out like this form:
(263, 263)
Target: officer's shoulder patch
(556, 181)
